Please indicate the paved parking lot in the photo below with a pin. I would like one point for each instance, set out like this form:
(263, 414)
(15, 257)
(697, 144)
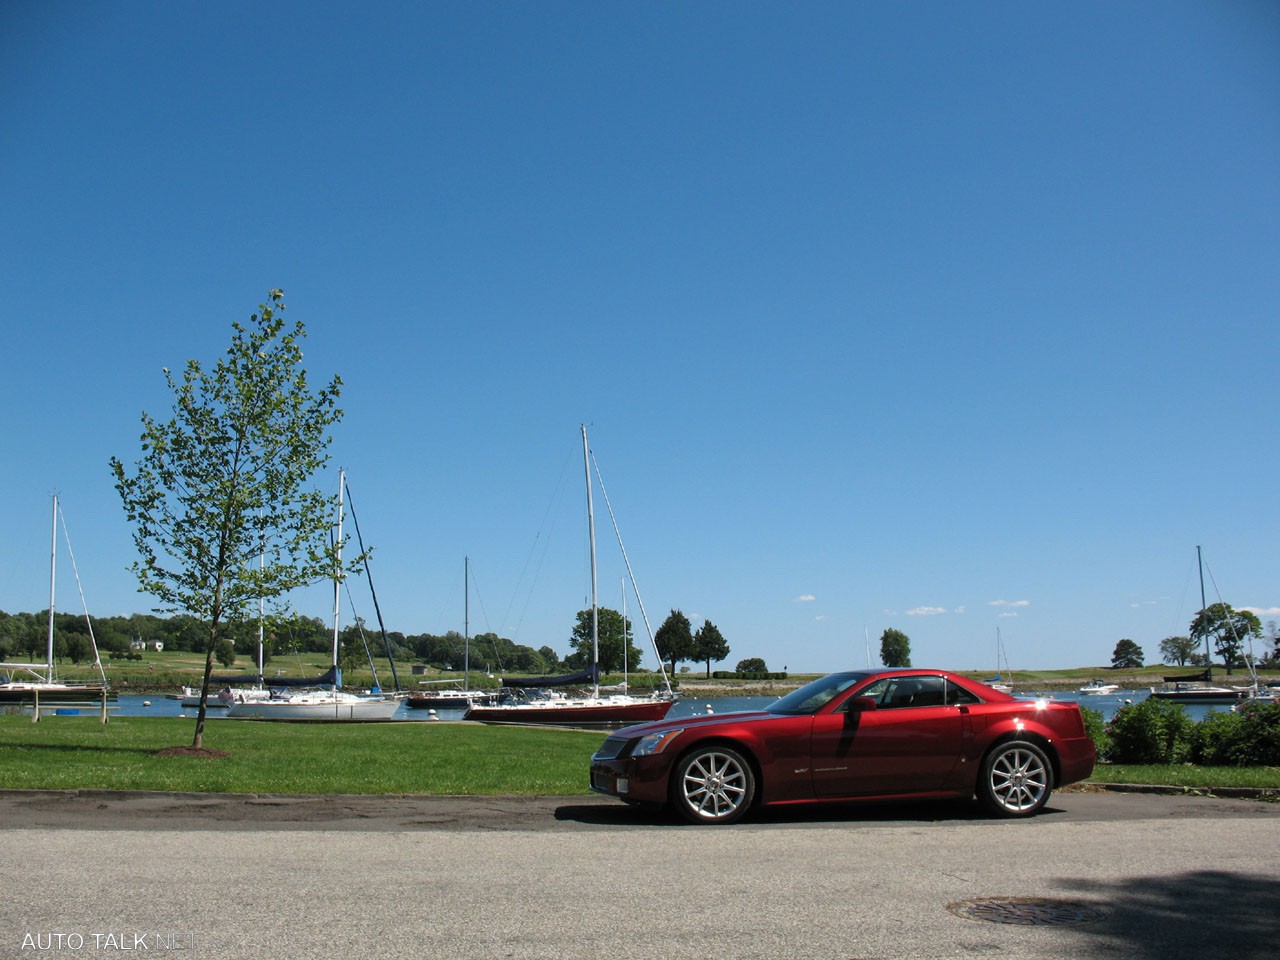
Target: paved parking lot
(243, 877)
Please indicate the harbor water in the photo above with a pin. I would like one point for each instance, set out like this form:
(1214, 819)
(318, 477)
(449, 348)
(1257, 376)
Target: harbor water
(158, 705)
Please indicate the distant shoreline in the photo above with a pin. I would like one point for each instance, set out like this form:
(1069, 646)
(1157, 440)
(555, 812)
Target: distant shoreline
(776, 688)
(698, 687)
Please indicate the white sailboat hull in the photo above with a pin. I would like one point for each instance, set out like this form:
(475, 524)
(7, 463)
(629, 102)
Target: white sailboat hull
(317, 706)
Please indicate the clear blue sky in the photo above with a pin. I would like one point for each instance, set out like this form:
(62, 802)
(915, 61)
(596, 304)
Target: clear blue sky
(943, 317)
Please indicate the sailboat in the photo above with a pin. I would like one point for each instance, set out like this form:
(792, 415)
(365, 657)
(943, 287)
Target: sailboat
(453, 697)
(38, 681)
(997, 682)
(1197, 687)
(328, 701)
(536, 699)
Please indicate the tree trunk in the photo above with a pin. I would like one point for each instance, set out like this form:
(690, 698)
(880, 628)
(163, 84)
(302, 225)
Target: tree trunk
(198, 742)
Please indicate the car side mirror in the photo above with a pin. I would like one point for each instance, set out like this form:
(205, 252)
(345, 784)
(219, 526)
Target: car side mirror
(861, 704)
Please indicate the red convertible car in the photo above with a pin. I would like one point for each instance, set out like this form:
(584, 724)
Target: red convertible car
(862, 735)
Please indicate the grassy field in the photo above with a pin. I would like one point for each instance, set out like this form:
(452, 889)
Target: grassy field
(67, 753)
(1187, 775)
(427, 758)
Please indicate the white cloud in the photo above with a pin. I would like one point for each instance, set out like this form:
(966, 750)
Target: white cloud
(1008, 603)
(804, 598)
(1261, 612)
(822, 616)
(926, 611)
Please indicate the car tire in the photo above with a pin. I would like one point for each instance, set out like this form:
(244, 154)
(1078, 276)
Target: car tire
(1016, 779)
(713, 784)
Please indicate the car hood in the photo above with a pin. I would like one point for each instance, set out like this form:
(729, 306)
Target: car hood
(687, 723)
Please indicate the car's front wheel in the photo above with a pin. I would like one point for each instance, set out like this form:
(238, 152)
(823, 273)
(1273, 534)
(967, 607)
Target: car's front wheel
(713, 784)
(1016, 779)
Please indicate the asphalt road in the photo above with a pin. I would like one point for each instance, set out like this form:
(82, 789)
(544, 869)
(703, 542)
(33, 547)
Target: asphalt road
(1132, 875)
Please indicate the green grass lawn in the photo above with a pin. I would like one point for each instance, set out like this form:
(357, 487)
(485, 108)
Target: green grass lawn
(1187, 775)
(63, 753)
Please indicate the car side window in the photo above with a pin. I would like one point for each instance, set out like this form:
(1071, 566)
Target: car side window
(957, 695)
(891, 693)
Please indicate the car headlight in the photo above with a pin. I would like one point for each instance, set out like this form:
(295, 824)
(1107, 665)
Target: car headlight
(655, 742)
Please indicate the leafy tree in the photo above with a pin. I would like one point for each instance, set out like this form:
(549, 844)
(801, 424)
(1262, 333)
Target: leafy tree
(674, 639)
(77, 648)
(1127, 655)
(225, 481)
(1177, 651)
(614, 637)
(751, 665)
(1226, 629)
(709, 644)
(225, 652)
(895, 648)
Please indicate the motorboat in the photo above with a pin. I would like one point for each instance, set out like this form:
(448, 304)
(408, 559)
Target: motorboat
(1096, 688)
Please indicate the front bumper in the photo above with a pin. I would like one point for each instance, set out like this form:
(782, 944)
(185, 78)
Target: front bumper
(639, 780)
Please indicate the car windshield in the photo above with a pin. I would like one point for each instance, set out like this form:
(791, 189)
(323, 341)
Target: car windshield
(813, 696)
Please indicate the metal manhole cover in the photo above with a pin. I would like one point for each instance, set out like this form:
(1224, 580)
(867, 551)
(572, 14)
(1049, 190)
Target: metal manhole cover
(1027, 911)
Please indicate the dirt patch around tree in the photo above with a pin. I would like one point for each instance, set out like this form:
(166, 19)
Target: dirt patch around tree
(202, 753)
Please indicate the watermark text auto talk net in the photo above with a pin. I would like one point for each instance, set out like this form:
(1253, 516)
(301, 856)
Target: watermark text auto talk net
(111, 941)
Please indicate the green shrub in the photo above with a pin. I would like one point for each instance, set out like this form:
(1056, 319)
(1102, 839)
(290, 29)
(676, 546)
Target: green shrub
(1261, 740)
(1151, 731)
(1218, 740)
(1096, 727)
(747, 675)
(1249, 737)
(1263, 722)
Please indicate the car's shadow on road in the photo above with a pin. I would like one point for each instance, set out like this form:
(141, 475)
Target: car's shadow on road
(832, 814)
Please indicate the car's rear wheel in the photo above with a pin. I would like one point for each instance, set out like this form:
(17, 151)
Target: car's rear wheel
(1016, 780)
(713, 784)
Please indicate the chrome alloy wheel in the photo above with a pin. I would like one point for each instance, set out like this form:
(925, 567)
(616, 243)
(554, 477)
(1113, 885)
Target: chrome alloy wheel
(714, 785)
(1016, 779)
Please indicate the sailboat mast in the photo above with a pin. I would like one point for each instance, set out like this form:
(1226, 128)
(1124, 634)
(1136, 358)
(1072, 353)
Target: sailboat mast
(337, 580)
(53, 567)
(1208, 659)
(466, 623)
(591, 527)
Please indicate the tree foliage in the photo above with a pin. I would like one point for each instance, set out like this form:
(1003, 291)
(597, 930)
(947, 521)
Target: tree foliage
(895, 648)
(220, 501)
(1127, 655)
(614, 637)
(1177, 651)
(674, 639)
(1226, 630)
(709, 644)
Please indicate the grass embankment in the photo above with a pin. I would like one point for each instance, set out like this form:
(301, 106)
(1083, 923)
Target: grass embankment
(1188, 775)
(68, 753)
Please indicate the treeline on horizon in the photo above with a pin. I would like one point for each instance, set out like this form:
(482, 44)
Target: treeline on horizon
(25, 636)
